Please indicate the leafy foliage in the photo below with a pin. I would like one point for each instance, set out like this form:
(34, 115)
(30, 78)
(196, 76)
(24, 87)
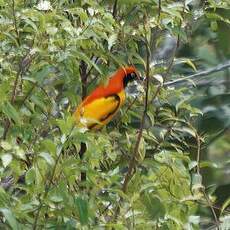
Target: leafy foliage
(51, 54)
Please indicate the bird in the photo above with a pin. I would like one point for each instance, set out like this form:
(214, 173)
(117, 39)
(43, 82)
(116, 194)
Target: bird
(101, 105)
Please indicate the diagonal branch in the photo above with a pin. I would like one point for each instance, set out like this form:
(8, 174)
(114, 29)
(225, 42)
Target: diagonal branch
(207, 72)
(23, 65)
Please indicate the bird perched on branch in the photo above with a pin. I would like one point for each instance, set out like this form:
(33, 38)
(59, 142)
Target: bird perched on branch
(97, 109)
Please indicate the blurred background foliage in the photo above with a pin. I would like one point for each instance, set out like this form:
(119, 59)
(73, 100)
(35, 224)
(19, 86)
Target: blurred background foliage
(55, 52)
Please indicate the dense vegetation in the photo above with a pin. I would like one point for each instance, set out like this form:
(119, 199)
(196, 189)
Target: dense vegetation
(162, 163)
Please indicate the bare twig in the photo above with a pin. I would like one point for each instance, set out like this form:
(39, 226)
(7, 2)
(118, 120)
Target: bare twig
(84, 78)
(132, 162)
(212, 209)
(89, 71)
(115, 9)
(198, 153)
(15, 22)
(22, 66)
(159, 10)
(14, 91)
(207, 72)
(198, 172)
(83, 71)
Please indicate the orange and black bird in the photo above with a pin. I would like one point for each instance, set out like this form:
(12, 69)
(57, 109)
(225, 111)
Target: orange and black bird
(97, 109)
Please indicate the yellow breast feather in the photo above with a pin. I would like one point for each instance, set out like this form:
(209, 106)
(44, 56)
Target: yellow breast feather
(100, 111)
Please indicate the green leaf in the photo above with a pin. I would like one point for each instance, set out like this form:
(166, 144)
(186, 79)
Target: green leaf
(30, 176)
(225, 205)
(11, 112)
(49, 145)
(6, 145)
(10, 218)
(4, 198)
(154, 206)
(56, 196)
(82, 56)
(192, 165)
(42, 74)
(187, 61)
(111, 41)
(82, 207)
(186, 130)
(217, 17)
(38, 101)
(214, 26)
(48, 158)
(204, 164)
(6, 159)
(66, 125)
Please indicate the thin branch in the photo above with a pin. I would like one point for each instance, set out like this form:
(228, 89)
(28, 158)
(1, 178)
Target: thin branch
(15, 22)
(132, 162)
(198, 153)
(159, 10)
(84, 81)
(203, 189)
(14, 91)
(212, 209)
(207, 72)
(89, 71)
(24, 64)
(115, 9)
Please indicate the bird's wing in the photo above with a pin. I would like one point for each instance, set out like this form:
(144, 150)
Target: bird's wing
(99, 111)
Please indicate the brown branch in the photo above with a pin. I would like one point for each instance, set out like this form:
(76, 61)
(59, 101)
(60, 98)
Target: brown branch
(15, 22)
(159, 10)
(23, 66)
(212, 209)
(14, 91)
(84, 78)
(198, 153)
(198, 172)
(83, 72)
(89, 71)
(132, 162)
(115, 9)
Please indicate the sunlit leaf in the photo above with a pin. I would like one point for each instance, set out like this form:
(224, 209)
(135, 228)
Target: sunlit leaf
(11, 112)
(10, 218)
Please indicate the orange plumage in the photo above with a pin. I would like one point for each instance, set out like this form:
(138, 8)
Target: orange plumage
(102, 104)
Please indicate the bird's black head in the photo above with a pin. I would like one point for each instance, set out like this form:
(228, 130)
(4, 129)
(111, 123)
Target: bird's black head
(130, 77)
